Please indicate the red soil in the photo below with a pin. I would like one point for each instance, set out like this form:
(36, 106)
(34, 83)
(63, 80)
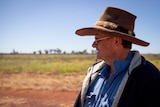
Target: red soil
(36, 98)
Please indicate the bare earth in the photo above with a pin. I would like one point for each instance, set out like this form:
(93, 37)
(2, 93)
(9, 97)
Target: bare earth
(39, 90)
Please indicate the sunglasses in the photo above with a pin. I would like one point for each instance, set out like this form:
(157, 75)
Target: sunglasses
(100, 39)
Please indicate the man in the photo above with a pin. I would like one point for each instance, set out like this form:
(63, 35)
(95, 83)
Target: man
(122, 78)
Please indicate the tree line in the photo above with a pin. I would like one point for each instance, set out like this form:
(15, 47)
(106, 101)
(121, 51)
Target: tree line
(56, 51)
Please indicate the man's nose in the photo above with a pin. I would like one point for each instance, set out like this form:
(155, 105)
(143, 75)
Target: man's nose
(94, 44)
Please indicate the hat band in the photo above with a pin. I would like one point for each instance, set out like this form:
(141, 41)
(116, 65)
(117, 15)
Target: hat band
(113, 26)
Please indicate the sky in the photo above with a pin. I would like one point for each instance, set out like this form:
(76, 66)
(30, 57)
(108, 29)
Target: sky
(32, 25)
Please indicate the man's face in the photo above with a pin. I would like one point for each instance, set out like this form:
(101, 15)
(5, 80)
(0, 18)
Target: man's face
(104, 46)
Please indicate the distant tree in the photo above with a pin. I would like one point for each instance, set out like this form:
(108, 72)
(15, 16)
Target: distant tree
(73, 52)
(55, 51)
(14, 52)
(64, 52)
(46, 51)
(40, 52)
(84, 51)
(93, 51)
(51, 50)
(59, 51)
(34, 52)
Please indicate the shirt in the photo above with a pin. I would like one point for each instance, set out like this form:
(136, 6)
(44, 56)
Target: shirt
(103, 89)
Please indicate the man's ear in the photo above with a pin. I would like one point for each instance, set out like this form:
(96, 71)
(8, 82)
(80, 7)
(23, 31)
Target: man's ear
(117, 41)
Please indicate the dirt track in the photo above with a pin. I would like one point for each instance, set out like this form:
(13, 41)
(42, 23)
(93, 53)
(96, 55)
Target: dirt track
(40, 90)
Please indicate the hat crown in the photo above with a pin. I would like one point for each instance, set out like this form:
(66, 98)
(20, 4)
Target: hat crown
(119, 17)
(114, 22)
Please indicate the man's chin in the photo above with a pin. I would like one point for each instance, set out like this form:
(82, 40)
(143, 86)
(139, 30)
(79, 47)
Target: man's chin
(99, 56)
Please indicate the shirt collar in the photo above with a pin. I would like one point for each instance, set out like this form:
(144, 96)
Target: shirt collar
(121, 65)
(104, 71)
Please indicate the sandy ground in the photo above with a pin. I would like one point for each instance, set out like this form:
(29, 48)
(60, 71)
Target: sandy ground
(39, 90)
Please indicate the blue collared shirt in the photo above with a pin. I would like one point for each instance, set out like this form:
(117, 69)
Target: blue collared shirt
(102, 91)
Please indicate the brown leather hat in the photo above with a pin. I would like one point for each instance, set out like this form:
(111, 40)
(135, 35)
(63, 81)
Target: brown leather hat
(115, 22)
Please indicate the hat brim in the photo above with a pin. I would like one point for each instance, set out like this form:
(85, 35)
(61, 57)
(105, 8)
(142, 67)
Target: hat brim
(91, 31)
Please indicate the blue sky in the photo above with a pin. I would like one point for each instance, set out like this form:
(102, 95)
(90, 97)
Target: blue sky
(33, 25)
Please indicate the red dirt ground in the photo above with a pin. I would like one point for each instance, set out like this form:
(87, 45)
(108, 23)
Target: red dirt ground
(36, 98)
(39, 90)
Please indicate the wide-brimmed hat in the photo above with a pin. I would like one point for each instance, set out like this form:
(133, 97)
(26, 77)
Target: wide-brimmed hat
(115, 22)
